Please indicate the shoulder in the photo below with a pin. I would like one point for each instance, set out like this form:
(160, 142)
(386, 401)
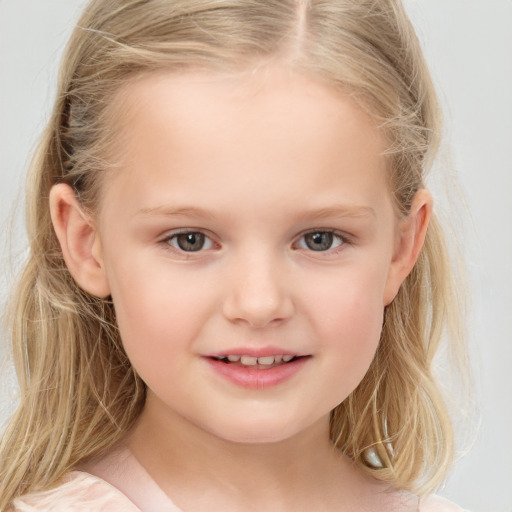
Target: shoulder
(79, 492)
(435, 503)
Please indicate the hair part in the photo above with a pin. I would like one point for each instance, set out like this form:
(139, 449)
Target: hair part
(80, 394)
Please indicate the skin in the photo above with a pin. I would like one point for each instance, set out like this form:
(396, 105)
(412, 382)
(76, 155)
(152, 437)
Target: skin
(269, 156)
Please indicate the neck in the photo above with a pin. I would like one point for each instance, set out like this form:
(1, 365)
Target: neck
(181, 458)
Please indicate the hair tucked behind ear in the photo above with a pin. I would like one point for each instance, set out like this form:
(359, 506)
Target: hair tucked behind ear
(79, 394)
(404, 420)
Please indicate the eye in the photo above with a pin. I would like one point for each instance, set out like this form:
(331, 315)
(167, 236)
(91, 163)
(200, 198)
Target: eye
(189, 241)
(321, 241)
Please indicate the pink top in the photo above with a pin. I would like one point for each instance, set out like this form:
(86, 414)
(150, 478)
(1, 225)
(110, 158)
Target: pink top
(82, 492)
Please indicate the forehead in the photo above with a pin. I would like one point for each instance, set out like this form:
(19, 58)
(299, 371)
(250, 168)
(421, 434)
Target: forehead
(266, 130)
(268, 95)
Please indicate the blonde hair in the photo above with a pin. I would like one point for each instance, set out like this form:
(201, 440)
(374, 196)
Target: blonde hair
(79, 393)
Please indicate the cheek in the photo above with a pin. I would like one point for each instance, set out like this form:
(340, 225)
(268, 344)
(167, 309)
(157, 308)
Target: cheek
(351, 300)
(156, 309)
(354, 331)
(349, 317)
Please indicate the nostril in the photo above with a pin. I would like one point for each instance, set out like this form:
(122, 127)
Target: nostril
(258, 304)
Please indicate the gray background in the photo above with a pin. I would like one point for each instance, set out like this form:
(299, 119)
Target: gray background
(469, 47)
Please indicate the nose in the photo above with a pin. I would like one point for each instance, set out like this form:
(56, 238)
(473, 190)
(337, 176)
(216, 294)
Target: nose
(259, 293)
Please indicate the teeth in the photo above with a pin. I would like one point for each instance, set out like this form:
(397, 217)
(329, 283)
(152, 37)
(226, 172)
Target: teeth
(266, 360)
(253, 361)
(248, 360)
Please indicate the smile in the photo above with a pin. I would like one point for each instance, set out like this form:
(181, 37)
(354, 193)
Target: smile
(261, 363)
(257, 371)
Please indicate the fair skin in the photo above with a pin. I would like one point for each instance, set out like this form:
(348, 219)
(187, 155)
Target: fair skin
(295, 252)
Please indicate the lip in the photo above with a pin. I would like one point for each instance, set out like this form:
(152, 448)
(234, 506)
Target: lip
(254, 352)
(252, 378)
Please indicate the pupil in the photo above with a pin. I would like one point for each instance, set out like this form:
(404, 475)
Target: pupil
(191, 241)
(320, 241)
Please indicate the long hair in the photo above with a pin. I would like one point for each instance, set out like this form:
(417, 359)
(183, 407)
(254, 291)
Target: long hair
(79, 393)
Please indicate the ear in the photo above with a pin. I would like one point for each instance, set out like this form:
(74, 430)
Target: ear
(411, 237)
(79, 241)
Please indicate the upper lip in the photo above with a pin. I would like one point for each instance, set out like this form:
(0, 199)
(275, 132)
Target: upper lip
(254, 352)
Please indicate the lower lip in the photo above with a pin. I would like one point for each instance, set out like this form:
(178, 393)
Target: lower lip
(252, 378)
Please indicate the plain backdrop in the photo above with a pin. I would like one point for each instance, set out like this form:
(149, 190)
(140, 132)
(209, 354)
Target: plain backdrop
(469, 47)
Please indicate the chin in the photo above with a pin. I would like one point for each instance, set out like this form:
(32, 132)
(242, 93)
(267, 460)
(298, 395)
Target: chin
(257, 432)
(258, 438)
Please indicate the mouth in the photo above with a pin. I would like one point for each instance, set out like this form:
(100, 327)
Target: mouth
(257, 367)
(257, 363)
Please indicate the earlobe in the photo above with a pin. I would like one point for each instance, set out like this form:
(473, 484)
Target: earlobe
(411, 237)
(79, 241)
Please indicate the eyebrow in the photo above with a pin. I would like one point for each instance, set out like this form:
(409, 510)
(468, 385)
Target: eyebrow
(339, 211)
(334, 211)
(167, 211)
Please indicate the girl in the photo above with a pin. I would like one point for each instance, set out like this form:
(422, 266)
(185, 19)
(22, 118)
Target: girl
(236, 284)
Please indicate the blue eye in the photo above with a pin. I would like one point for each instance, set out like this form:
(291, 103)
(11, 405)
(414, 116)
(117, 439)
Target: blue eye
(321, 241)
(190, 241)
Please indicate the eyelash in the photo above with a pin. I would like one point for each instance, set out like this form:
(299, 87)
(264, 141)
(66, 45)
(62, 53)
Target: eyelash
(343, 238)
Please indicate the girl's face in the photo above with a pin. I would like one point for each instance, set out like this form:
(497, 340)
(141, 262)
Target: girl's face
(250, 244)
